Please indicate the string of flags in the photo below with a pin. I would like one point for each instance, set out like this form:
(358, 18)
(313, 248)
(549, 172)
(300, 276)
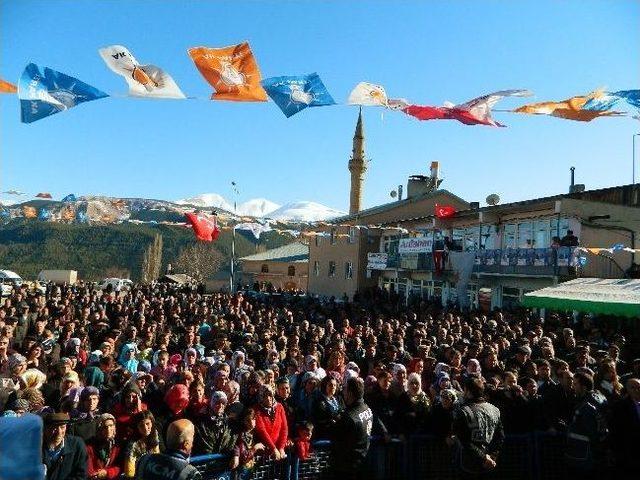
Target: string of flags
(234, 75)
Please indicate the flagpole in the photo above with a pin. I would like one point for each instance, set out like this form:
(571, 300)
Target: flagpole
(633, 169)
(233, 240)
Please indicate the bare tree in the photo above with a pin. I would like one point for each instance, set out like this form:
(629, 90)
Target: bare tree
(152, 260)
(200, 261)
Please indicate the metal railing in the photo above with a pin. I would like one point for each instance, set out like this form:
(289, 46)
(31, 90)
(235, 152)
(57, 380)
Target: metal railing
(536, 456)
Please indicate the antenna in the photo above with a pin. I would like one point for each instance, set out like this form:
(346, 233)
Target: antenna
(493, 199)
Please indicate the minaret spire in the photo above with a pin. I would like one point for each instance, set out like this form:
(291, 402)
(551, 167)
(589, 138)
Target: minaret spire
(357, 167)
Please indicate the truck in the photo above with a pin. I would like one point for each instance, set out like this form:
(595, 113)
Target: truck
(8, 281)
(58, 276)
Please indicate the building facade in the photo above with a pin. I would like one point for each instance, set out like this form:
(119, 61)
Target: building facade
(490, 257)
(284, 268)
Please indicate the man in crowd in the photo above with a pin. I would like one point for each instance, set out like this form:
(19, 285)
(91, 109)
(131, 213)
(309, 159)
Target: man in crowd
(174, 463)
(64, 456)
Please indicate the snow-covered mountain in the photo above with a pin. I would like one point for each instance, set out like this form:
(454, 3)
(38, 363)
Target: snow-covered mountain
(258, 207)
(207, 200)
(302, 211)
(305, 211)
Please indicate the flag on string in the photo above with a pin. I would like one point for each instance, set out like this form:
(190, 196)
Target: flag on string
(205, 228)
(232, 71)
(255, 228)
(13, 192)
(51, 92)
(67, 213)
(44, 195)
(297, 92)
(6, 87)
(69, 198)
(474, 112)
(607, 100)
(570, 109)
(445, 211)
(368, 94)
(29, 212)
(143, 80)
(44, 214)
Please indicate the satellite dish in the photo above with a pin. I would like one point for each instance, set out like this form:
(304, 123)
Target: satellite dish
(393, 194)
(493, 199)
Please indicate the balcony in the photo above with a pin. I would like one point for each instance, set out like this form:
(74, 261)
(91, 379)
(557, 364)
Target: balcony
(411, 261)
(527, 261)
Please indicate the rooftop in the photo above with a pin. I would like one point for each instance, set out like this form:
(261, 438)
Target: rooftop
(295, 252)
(392, 205)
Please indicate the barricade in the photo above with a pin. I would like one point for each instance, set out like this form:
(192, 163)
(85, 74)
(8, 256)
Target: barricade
(538, 456)
(550, 449)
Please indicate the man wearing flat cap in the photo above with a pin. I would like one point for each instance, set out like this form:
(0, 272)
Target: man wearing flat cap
(64, 456)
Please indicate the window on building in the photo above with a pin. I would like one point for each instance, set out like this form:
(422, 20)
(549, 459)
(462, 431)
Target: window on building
(542, 233)
(352, 234)
(265, 268)
(334, 236)
(348, 270)
(509, 236)
(316, 268)
(332, 269)
(291, 271)
(487, 237)
(525, 235)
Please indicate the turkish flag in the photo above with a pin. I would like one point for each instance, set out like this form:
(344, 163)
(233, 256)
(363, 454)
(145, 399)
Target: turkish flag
(445, 211)
(205, 228)
(43, 195)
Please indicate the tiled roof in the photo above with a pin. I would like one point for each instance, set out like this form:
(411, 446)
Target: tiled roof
(295, 252)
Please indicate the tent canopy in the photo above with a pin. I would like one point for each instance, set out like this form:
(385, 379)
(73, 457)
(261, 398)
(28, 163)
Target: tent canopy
(619, 297)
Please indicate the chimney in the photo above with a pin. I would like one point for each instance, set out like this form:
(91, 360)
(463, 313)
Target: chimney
(419, 185)
(399, 192)
(435, 170)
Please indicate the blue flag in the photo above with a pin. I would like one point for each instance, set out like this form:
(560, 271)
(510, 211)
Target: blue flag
(44, 214)
(607, 100)
(295, 93)
(81, 217)
(46, 94)
(69, 198)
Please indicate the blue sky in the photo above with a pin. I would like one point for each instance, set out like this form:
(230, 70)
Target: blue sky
(425, 51)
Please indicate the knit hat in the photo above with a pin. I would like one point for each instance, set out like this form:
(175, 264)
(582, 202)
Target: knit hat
(88, 391)
(14, 360)
(217, 397)
(175, 359)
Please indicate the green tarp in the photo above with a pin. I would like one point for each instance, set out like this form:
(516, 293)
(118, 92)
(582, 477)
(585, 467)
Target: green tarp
(619, 297)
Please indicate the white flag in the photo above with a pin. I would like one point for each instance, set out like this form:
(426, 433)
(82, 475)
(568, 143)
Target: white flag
(368, 94)
(143, 80)
(255, 228)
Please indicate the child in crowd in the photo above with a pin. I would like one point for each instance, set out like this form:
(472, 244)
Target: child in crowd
(244, 453)
(302, 441)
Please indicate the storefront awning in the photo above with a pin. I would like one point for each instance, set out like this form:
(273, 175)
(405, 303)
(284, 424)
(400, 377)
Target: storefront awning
(619, 297)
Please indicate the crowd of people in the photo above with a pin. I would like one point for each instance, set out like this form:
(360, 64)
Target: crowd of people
(134, 382)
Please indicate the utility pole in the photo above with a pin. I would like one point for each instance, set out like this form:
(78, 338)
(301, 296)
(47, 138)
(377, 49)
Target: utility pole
(233, 239)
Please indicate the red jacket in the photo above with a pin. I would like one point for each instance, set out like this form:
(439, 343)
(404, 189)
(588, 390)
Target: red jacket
(124, 421)
(112, 466)
(273, 432)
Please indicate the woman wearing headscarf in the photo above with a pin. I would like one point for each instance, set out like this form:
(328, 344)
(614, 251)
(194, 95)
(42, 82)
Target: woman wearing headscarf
(103, 451)
(399, 382)
(271, 423)
(238, 367)
(86, 413)
(213, 433)
(326, 407)
(127, 358)
(413, 406)
(130, 403)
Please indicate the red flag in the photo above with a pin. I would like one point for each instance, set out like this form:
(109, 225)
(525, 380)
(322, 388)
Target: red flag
(205, 228)
(43, 195)
(424, 112)
(445, 211)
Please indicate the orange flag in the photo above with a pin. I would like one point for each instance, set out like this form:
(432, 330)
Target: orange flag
(232, 71)
(29, 212)
(570, 109)
(6, 87)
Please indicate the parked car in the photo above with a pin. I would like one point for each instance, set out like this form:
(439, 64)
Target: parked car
(8, 281)
(117, 284)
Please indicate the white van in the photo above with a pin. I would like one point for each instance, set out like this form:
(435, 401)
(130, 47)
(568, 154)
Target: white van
(117, 284)
(8, 281)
